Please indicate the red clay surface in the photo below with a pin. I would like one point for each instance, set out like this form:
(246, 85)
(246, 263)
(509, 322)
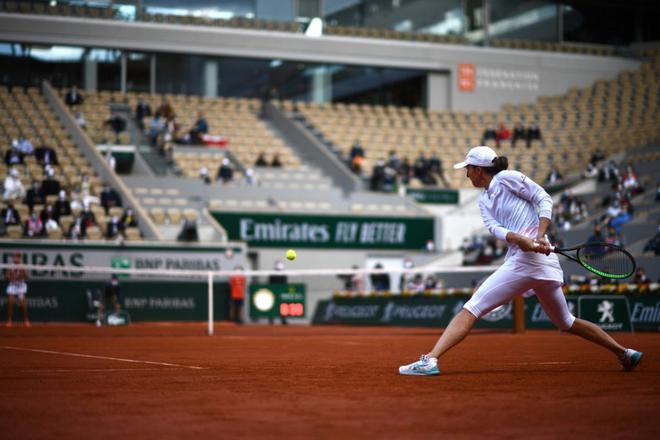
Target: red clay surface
(318, 382)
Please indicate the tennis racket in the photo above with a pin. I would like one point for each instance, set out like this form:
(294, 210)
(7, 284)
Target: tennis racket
(604, 259)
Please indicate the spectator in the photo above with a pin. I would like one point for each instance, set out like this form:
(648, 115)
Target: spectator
(416, 284)
(25, 146)
(45, 155)
(276, 162)
(34, 195)
(406, 170)
(142, 110)
(77, 230)
(16, 277)
(13, 156)
(128, 220)
(357, 163)
(10, 215)
(110, 198)
(261, 160)
(435, 168)
(73, 97)
(613, 237)
(357, 281)
(503, 134)
(88, 216)
(188, 231)
(112, 293)
(113, 228)
(117, 124)
(200, 128)
(13, 186)
(34, 227)
(378, 176)
(110, 160)
(156, 129)
(50, 186)
(47, 216)
(590, 172)
(165, 111)
(421, 170)
(380, 282)
(640, 278)
(249, 178)
(653, 245)
(533, 134)
(596, 156)
(356, 150)
(237, 283)
(518, 133)
(490, 133)
(226, 171)
(630, 181)
(554, 176)
(62, 206)
(393, 161)
(204, 175)
(81, 121)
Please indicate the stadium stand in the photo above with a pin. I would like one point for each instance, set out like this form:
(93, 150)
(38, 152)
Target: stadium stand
(57, 183)
(612, 116)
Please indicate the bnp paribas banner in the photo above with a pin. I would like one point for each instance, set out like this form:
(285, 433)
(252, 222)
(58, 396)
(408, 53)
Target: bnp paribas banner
(70, 256)
(332, 231)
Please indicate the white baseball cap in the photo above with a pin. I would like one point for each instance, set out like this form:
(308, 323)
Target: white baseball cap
(478, 156)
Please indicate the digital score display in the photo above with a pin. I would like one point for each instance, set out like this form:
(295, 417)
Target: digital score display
(277, 300)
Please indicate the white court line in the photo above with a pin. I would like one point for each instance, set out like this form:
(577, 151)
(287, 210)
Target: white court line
(89, 370)
(539, 363)
(108, 358)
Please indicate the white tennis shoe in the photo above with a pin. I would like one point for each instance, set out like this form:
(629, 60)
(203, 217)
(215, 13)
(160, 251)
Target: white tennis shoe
(425, 366)
(630, 359)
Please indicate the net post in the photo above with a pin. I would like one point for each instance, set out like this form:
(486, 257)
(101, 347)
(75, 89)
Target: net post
(519, 315)
(210, 303)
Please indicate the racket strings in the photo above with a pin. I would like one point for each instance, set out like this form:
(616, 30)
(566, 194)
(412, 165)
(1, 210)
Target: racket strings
(607, 261)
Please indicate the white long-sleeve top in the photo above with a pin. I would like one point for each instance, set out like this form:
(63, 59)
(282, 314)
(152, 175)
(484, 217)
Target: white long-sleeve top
(513, 203)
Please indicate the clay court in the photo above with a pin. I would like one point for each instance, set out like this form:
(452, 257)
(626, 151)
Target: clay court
(162, 381)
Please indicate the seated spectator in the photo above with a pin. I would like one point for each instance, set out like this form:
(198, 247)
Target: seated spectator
(113, 228)
(553, 177)
(356, 150)
(10, 215)
(117, 124)
(518, 133)
(165, 111)
(156, 129)
(204, 174)
(62, 206)
(81, 121)
(653, 245)
(435, 168)
(142, 110)
(640, 277)
(34, 227)
(377, 176)
(47, 213)
(110, 160)
(73, 97)
(13, 156)
(200, 128)
(261, 160)
(503, 134)
(276, 162)
(249, 178)
(77, 230)
(88, 217)
(13, 186)
(226, 171)
(613, 237)
(596, 157)
(25, 146)
(416, 284)
(533, 134)
(630, 181)
(590, 172)
(393, 161)
(389, 179)
(356, 164)
(45, 155)
(380, 282)
(50, 186)
(129, 220)
(34, 195)
(110, 198)
(421, 170)
(188, 231)
(490, 133)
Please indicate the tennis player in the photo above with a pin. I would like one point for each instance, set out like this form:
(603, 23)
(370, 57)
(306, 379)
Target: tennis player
(515, 209)
(16, 287)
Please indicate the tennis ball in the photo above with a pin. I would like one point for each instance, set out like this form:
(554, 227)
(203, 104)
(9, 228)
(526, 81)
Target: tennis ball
(290, 255)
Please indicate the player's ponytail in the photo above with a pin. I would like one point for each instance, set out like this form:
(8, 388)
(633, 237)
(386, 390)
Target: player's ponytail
(500, 163)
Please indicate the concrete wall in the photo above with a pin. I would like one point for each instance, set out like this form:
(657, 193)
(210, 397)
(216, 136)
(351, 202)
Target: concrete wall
(501, 75)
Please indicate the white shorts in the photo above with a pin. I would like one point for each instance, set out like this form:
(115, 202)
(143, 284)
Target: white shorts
(502, 286)
(17, 289)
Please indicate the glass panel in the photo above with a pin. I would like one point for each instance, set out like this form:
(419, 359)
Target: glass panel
(138, 72)
(535, 20)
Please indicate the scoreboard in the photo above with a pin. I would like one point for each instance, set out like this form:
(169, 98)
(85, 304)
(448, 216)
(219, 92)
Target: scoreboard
(277, 300)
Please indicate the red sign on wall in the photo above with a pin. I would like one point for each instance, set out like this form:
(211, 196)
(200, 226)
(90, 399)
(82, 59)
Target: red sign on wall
(467, 77)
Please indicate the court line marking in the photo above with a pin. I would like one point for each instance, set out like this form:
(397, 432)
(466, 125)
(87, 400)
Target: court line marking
(107, 358)
(89, 370)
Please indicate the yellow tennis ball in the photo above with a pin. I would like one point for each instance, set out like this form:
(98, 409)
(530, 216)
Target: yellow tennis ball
(290, 255)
